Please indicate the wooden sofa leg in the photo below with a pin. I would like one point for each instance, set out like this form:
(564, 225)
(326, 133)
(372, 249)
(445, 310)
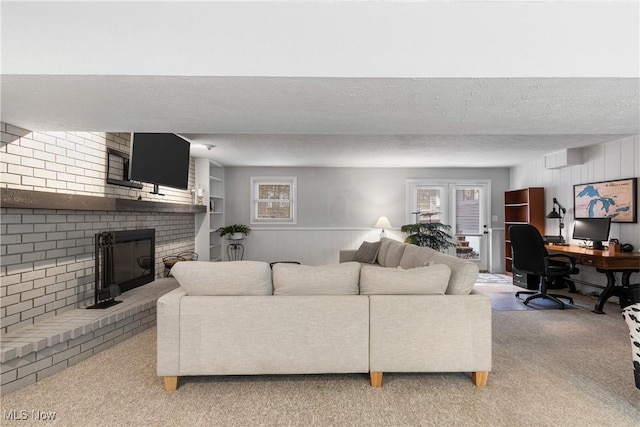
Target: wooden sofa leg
(480, 378)
(376, 379)
(170, 383)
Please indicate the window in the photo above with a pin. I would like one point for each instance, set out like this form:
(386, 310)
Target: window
(428, 204)
(273, 200)
(426, 201)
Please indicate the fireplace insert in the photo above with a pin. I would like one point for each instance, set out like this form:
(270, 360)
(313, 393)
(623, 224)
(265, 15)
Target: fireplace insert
(124, 260)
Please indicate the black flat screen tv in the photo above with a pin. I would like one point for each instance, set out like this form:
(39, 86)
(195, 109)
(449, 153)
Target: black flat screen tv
(159, 159)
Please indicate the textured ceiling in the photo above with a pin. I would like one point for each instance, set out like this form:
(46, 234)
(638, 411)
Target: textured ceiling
(386, 150)
(330, 83)
(307, 121)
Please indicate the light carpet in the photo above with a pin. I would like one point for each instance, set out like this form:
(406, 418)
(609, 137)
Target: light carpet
(493, 278)
(550, 368)
(503, 285)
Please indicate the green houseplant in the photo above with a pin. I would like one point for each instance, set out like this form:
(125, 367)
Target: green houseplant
(235, 231)
(434, 235)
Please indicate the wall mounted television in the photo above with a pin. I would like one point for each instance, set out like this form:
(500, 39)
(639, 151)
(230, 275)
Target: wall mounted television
(159, 159)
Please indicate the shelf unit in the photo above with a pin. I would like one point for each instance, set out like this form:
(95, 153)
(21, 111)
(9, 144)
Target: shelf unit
(524, 206)
(210, 178)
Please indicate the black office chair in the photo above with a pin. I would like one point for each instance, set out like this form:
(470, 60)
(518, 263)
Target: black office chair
(531, 257)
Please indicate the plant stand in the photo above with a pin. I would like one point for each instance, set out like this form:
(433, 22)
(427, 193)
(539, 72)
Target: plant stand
(235, 250)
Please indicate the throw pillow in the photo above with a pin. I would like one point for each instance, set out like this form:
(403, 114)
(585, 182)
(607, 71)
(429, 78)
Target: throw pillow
(416, 256)
(463, 274)
(223, 278)
(367, 252)
(394, 254)
(384, 248)
(334, 279)
(431, 280)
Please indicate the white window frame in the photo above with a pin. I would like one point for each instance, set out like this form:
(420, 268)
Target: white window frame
(276, 180)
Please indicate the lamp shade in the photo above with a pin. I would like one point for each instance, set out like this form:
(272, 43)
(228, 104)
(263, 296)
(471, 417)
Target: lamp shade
(554, 214)
(383, 223)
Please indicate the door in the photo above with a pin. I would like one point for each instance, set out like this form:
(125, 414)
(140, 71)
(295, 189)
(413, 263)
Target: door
(464, 205)
(469, 213)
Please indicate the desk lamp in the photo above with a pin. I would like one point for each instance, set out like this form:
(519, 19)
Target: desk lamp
(559, 214)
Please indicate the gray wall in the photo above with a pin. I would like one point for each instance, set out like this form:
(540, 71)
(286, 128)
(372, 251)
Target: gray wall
(332, 201)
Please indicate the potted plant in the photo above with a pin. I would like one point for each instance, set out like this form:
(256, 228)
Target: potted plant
(235, 231)
(431, 234)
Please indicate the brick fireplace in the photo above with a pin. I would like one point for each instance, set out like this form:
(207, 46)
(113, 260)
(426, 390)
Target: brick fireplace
(55, 198)
(62, 199)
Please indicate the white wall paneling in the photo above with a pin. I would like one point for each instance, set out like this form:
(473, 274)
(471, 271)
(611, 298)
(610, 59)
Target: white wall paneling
(309, 246)
(615, 160)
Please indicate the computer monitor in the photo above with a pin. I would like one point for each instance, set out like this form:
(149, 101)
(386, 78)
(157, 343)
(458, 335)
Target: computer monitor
(595, 230)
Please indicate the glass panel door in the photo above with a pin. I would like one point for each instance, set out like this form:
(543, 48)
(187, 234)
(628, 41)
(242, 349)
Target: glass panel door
(469, 214)
(462, 204)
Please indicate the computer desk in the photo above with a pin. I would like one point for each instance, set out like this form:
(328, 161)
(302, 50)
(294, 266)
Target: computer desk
(605, 262)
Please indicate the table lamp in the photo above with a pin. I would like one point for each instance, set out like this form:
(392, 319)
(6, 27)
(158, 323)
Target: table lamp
(382, 223)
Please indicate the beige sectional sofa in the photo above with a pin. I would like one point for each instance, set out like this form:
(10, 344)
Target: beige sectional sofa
(241, 318)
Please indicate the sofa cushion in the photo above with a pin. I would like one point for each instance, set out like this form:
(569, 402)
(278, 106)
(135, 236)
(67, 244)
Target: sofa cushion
(417, 256)
(367, 252)
(333, 279)
(463, 273)
(384, 248)
(390, 252)
(223, 278)
(431, 280)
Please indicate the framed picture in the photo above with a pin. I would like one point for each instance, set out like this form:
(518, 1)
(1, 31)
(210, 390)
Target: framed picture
(615, 199)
